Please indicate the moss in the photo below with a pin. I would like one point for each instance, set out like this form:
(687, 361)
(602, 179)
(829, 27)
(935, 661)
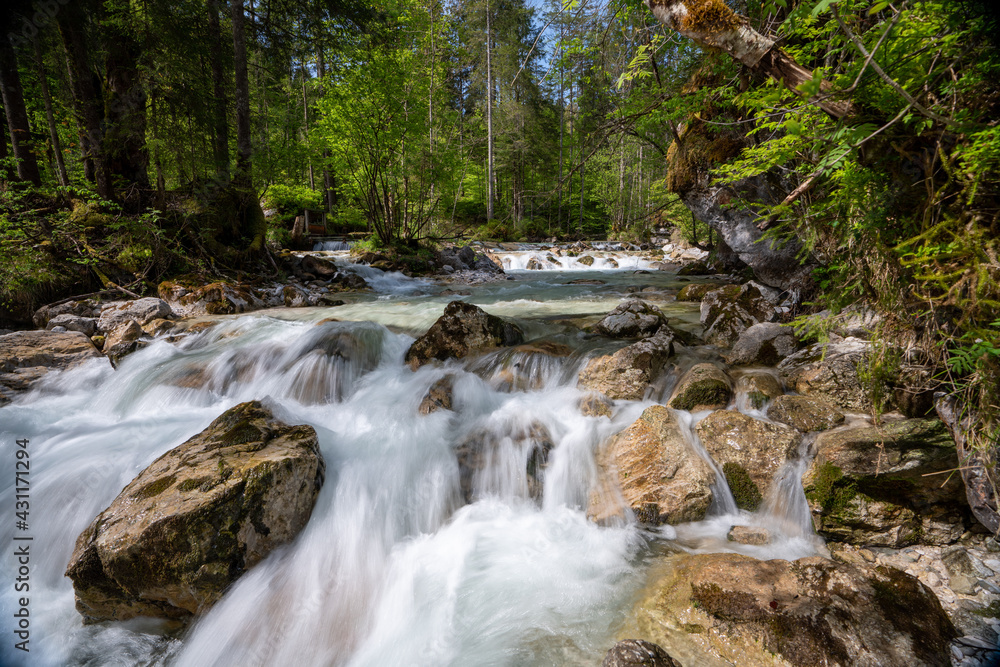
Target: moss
(757, 399)
(992, 611)
(830, 491)
(155, 488)
(727, 605)
(898, 594)
(745, 490)
(693, 628)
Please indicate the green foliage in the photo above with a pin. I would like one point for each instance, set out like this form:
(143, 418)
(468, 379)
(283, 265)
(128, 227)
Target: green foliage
(291, 200)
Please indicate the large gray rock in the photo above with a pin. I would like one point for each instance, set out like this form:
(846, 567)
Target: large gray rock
(197, 518)
(80, 308)
(978, 464)
(805, 413)
(763, 344)
(123, 340)
(26, 356)
(633, 318)
(219, 298)
(759, 388)
(140, 311)
(627, 374)
(85, 325)
(462, 330)
(829, 370)
(888, 485)
(730, 609)
(651, 469)
(638, 653)
(729, 311)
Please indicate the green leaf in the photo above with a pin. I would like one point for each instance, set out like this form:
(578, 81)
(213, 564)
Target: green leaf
(821, 7)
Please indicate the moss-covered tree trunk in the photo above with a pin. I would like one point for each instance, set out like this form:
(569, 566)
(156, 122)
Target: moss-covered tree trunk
(711, 23)
(17, 115)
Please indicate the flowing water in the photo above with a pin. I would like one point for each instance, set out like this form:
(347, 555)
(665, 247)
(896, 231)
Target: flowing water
(394, 567)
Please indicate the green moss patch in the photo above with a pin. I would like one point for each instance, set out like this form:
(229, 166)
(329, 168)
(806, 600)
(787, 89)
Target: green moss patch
(745, 490)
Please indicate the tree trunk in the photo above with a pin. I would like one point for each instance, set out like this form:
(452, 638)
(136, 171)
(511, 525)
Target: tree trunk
(489, 118)
(86, 98)
(244, 149)
(17, 115)
(220, 121)
(49, 116)
(125, 138)
(7, 173)
(729, 32)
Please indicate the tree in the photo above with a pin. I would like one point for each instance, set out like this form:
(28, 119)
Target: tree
(17, 116)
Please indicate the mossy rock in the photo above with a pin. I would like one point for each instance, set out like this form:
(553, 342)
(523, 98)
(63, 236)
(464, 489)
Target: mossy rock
(745, 490)
(704, 387)
(805, 413)
(695, 291)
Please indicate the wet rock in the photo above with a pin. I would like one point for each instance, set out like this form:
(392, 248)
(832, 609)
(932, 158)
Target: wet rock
(318, 266)
(586, 281)
(141, 311)
(534, 265)
(586, 260)
(80, 308)
(829, 370)
(638, 653)
(158, 327)
(695, 291)
(759, 388)
(627, 373)
(219, 298)
(758, 447)
(805, 413)
(70, 322)
(881, 485)
(651, 469)
(729, 311)
(348, 281)
(294, 297)
(964, 570)
(752, 535)
(121, 341)
(697, 268)
(197, 518)
(703, 387)
(978, 464)
(596, 405)
(732, 609)
(26, 356)
(462, 330)
(763, 344)
(523, 368)
(632, 318)
(438, 397)
(487, 456)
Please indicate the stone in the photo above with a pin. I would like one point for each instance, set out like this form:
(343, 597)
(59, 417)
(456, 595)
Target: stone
(79, 307)
(637, 653)
(219, 298)
(294, 297)
(318, 266)
(487, 456)
(758, 447)
(627, 374)
(829, 370)
(595, 404)
(197, 518)
(695, 291)
(650, 469)
(534, 265)
(964, 570)
(462, 330)
(523, 368)
(141, 311)
(586, 260)
(888, 485)
(729, 311)
(759, 388)
(751, 535)
(70, 322)
(703, 387)
(159, 327)
(121, 341)
(696, 268)
(632, 318)
(763, 344)
(438, 397)
(731, 609)
(26, 356)
(805, 413)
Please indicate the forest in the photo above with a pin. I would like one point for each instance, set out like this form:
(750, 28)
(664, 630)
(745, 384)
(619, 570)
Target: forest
(146, 140)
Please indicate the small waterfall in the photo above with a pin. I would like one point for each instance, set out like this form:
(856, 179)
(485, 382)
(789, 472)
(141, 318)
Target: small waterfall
(597, 260)
(723, 502)
(331, 246)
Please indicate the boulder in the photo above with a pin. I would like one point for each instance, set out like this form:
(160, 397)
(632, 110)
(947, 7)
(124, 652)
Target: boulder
(759, 388)
(805, 413)
(730, 609)
(197, 518)
(763, 344)
(293, 296)
(462, 330)
(695, 291)
(140, 311)
(978, 464)
(219, 298)
(534, 265)
(122, 341)
(317, 266)
(696, 268)
(438, 397)
(523, 368)
(70, 322)
(758, 447)
(752, 535)
(829, 370)
(637, 653)
(159, 327)
(504, 459)
(887, 485)
(729, 311)
(595, 404)
(632, 318)
(627, 374)
(703, 387)
(26, 356)
(652, 470)
(80, 308)
(586, 260)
